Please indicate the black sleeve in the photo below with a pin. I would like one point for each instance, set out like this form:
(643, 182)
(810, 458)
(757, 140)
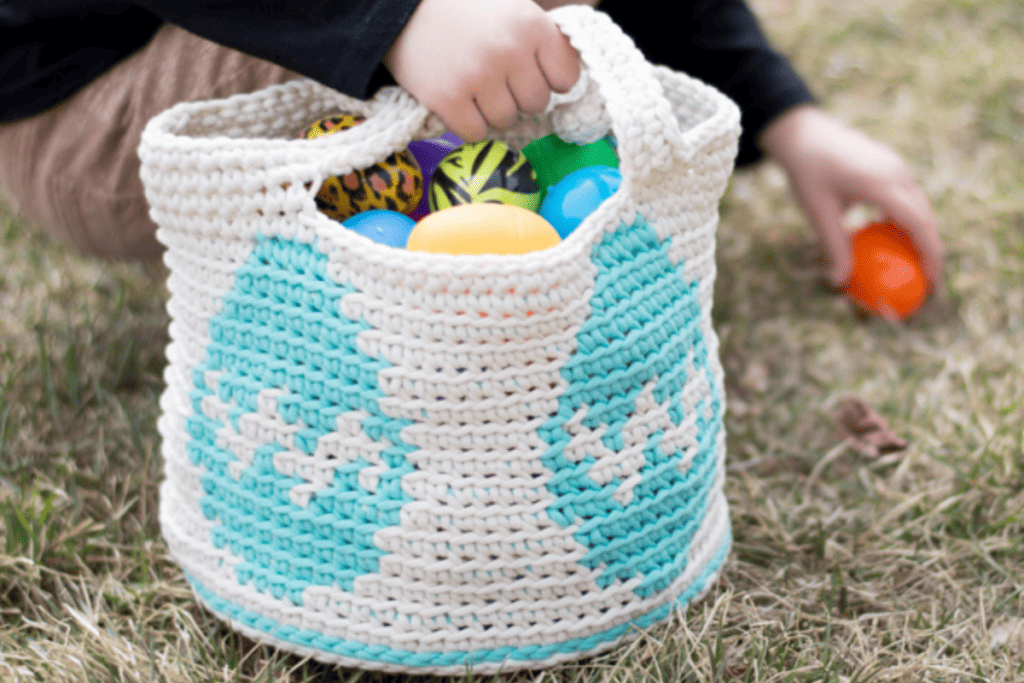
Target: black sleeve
(721, 43)
(339, 43)
(49, 51)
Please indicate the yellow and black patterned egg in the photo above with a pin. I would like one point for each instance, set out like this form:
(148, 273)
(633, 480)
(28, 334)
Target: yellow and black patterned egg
(395, 184)
(332, 124)
(486, 171)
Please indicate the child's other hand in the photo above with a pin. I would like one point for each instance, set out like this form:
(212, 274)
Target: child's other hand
(479, 63)
(831, 167)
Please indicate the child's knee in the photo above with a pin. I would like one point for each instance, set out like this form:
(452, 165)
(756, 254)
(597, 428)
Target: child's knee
(73, 173)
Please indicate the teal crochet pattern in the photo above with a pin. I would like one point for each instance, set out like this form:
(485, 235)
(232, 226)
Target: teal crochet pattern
(281, 328)
(643, 328)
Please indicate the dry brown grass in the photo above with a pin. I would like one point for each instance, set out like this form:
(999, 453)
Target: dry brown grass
(907, 567)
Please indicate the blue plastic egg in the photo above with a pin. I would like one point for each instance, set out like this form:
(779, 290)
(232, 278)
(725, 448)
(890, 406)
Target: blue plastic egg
(382, 225)
(574, 197)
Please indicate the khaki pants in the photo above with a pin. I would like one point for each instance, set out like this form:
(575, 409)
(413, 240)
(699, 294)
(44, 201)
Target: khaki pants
(74, 170)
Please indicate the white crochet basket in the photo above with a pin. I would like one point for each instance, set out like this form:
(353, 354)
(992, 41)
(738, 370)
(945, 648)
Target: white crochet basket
(429, 463)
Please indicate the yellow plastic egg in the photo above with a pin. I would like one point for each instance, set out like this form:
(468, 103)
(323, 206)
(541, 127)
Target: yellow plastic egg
(482, 229)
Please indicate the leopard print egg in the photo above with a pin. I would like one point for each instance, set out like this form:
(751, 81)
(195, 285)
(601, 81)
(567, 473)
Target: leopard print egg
(332, 124)
(395, 183)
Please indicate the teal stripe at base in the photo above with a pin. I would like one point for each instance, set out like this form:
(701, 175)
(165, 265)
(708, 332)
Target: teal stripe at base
(379, 656)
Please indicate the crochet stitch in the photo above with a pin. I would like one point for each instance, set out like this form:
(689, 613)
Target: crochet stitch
(421, 462)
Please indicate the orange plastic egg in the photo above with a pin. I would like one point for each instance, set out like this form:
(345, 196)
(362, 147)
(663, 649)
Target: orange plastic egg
(887, 273)
(482, 229)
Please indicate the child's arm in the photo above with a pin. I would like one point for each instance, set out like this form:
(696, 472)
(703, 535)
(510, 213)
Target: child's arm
(339, 43)
(831, 166)
(473, 62)
(479, 63)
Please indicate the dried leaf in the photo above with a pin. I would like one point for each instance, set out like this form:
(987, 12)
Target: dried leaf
(866, 430)
(1008, 635)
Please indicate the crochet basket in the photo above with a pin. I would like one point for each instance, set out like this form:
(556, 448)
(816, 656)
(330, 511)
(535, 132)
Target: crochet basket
(430, 463)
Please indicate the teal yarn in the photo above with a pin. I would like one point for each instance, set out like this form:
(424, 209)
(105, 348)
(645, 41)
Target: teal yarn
(644, 325)
(280, 327)
(354, 652)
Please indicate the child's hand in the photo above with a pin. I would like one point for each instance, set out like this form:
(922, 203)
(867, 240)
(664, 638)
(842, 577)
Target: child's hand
(479, 63)
(831, 166)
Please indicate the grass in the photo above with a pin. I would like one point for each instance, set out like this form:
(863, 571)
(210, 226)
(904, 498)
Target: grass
(907, 567)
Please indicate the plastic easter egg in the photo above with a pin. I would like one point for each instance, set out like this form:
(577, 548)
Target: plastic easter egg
(575, 196)
(487, 171)
(428, 154)
(452, 138)
(332, 124)
(887, 275)
(482, 229)
(553, 158)
(383, 226)
(395, 184)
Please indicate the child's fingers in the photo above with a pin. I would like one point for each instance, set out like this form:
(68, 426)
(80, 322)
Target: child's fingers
(837, 244)
(909, 207)
(497, 106)
(559, 62)
(530, 89)
(825, 208)
(887, 313)
(464, 119)
(889, 185)
(826, 214)
(930, 245)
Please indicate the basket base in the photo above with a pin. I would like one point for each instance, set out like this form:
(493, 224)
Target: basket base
(358, 655)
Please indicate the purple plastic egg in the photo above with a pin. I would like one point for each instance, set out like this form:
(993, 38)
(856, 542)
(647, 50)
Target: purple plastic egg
(428, 155)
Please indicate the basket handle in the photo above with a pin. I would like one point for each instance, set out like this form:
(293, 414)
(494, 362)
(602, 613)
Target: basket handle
(618, 89)
(642, 118)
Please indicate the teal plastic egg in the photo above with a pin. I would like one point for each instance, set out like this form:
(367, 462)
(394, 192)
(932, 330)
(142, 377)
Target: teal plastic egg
(383, 226)
(576, 196)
